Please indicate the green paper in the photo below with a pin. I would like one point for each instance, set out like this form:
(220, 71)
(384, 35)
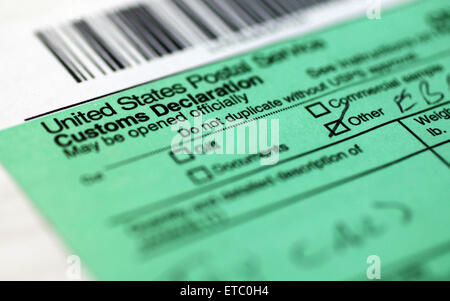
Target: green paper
(368, 179)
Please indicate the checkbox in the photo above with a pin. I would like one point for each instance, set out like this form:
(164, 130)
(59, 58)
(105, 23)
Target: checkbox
(317, 109)
(199, 175)
(181, 155)
(340, 129)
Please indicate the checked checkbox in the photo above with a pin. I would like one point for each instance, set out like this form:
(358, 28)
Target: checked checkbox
(336, 127)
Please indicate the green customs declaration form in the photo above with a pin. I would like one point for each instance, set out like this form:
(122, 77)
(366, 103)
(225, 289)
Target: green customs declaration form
(314, 156)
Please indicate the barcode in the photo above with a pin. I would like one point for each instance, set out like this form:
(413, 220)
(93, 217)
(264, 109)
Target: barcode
(123, 38)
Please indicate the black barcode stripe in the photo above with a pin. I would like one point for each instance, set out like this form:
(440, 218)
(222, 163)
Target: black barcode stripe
(265, 12)
(272, 10)
(164, 28)
(115, 19)
(63, 52)
(298, 5)
(268, 10)
(126, 37)
(43, 38)
(163, 34)
(241, 15)
(146, 37)
(96, 44)
(118, 40)
(283, 6)
(129, 21)
(185, 25)
(195, 18)
(106, 46)
(169, 24)
(244, 11)
(73, 55)
(287, 5)
(155, 35)
(223, 15)
(82, 49)
(107, 42)
(272, 6)
(148, 48)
